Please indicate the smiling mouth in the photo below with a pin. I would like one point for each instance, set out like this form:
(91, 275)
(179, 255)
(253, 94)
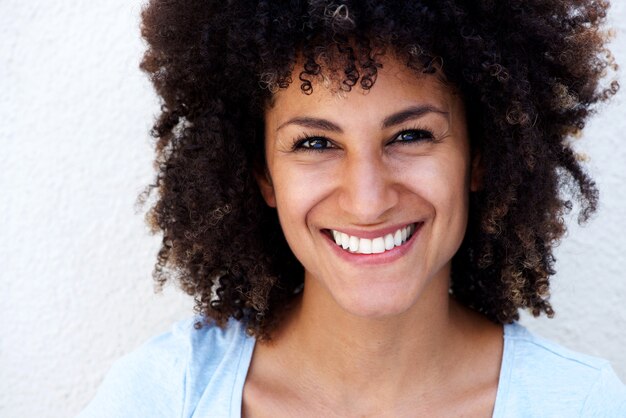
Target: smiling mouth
(376, 245)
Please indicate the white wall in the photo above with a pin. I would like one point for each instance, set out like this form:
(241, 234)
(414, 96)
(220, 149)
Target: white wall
(76, 258)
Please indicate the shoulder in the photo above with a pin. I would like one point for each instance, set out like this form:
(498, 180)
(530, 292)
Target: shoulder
(168, 375)
(541, 378)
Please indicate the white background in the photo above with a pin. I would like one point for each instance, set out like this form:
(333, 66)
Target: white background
(76, 258)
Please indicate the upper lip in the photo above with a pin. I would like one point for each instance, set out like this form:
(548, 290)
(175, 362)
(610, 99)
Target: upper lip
(371, 234)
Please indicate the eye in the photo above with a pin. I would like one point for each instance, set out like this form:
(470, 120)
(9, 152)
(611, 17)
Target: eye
(414, 135)
(314, 143)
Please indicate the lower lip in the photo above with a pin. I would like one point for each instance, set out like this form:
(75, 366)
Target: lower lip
(380, 258)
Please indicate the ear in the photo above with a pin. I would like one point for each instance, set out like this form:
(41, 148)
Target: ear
(264, 180)
(477, 172)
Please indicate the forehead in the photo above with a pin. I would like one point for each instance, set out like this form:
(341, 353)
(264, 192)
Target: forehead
(395, 86)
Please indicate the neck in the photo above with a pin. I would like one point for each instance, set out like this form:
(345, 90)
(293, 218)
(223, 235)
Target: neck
(377, 356)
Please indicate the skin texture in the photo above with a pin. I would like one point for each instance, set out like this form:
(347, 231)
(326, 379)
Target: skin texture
(372, 335)
(341, 335)
(529, 72)
(368, 181)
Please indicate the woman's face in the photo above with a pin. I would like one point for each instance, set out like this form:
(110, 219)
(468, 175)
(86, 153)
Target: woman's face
(371, 188)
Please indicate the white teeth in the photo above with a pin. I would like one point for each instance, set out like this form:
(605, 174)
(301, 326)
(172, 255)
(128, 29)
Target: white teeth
(354, 244)
(397, 238)
(365, 246)
(389, 243)
(345, 241)
(373, 246)
(378, 245)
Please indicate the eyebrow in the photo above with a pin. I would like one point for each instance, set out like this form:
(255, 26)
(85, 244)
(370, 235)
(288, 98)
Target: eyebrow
(314, 123)
(409, 113)
(412, 112)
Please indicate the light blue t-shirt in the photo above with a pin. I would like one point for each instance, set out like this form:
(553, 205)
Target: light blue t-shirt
(201, 373)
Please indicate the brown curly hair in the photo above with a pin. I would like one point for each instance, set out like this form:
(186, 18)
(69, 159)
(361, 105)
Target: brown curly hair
(529, 72)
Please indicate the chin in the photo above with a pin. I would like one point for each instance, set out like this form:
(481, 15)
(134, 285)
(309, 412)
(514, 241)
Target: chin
(378, 304)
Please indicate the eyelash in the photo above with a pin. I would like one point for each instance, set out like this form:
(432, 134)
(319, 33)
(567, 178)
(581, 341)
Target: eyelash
(424, 135)
(298, 143)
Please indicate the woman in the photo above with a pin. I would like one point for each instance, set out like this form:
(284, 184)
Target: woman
(361, 196)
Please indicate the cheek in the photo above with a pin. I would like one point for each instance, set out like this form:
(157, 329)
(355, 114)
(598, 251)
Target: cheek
(440, 181)
(300, 201)
(453, 211)
(298, 193)
(443, 186)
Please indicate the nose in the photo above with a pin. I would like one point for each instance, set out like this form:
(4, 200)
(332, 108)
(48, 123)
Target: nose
(368, 188)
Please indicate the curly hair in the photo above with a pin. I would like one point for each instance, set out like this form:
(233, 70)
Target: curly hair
(529, 71)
